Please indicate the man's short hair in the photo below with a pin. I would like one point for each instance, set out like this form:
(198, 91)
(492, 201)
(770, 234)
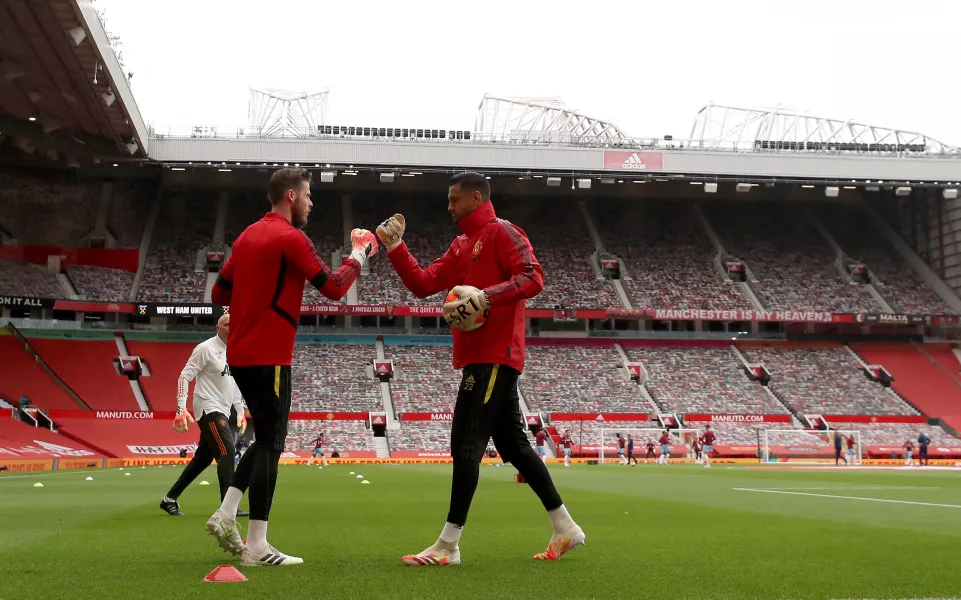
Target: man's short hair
(472, 182)
(283, 180)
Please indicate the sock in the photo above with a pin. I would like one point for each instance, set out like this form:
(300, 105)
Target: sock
(231, 502)
(451, 534)
(325, 460)
(169, 499)
(257, 536)
(561, 519)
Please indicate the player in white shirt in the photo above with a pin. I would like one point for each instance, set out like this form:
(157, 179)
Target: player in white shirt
(214, 394)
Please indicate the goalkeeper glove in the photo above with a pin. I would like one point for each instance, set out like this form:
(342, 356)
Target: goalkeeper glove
(465, 312)
(241, 422)
(183, 420)
(391, 231)
(364, 245)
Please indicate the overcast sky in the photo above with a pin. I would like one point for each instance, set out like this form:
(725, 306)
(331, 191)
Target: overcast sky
(648, 66)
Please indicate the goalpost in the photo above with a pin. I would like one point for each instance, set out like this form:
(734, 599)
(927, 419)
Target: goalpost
(641, 437)
(812, 444)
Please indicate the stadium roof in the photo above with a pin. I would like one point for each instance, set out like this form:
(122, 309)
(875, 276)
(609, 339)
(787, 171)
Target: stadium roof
(63, 89)
(538, 119)
(719, 126)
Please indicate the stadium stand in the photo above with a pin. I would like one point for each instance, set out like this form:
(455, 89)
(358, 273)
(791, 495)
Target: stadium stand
(747, 434)
(184, 226)
(562, 245)
(551, 383)
(340, 436)
(87, 367)
(668, 256)
(165, 360)
(701, 380)
(19, 440)
(424, 379)
(900, 286)
(68, 207)
(428, 235)
(129, 437)
(895, 434)
(429, 436)
(334, 377)
(794, 265)
(917, 378)
(128, 211)
(823, 378)
(20, 374)
(100, 283)
(28, 279)
(588, 432)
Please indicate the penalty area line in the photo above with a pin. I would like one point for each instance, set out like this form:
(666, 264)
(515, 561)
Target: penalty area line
(737, 489)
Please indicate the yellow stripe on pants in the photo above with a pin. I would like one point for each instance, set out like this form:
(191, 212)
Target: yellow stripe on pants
(277, 381)
(490, 384)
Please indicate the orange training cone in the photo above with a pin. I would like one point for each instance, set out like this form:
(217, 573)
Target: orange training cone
(225, 574)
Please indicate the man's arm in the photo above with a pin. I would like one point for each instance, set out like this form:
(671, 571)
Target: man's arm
(440, 276)
(527, 276)
(332, 284)
(194, 364)
(223, 287)
(238, 400)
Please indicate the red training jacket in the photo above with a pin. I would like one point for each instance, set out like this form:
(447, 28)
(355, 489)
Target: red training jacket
(263, 284)
(493, 255)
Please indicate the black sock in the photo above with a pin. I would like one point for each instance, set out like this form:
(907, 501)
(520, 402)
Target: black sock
(194, 468)
(535, 472)
(462, 487)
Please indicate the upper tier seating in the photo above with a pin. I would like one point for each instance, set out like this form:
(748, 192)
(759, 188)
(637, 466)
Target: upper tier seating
(668, 256)
(48, 208)
(793, 264)
(428, 235)
(185, 226)
(563, 247)
(900, 285)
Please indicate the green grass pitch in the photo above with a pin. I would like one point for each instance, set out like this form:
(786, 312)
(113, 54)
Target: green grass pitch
(667, 533)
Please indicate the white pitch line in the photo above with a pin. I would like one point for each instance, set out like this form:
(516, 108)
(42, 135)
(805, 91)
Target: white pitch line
(847, 497)
(862, 488)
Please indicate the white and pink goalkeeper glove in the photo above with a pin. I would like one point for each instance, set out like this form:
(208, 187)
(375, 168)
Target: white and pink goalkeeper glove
(364, 245)
(183, 420)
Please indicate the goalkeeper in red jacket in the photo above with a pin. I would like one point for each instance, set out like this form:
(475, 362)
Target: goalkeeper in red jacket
(492, 270)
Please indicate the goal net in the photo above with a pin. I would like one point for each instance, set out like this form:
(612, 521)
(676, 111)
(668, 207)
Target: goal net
(607, 440)
(808, 445)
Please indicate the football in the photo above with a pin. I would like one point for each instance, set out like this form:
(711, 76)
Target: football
(463, 317)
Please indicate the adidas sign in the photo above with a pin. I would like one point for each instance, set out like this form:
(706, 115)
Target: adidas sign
(633, 162)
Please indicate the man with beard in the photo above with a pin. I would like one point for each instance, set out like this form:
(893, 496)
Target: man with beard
(263, 284)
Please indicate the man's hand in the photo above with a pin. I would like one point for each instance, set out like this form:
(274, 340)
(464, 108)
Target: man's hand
(183, 420)
(364, 245)
(391, 231)
(242, 422)
(460, 314)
